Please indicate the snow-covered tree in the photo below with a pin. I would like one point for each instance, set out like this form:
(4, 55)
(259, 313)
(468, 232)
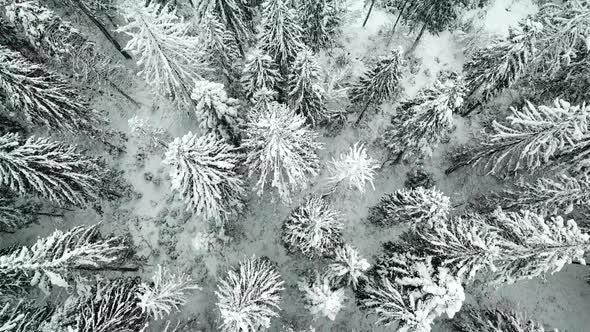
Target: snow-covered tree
(347, 267)
(51, 170)
(305, 92)
(236, 15)
(422, 122)
(41, 97)
(319, 20)
(222, 49)
(546, 196)
(15, 214)
(248, 296)
(413, 206)
(531, 139)
(414, 295)
(215, 111)
(153, 137)
(260, 72)
(321, 298)
(379, 83)
(170, 58)
(511, 246)
(281, 35)
(419, 177)
(281, 149)
(471, 319)
(313, 229)
(353, 169)
(51, 261)
(167, 292)
(23, 316)
(204, 171)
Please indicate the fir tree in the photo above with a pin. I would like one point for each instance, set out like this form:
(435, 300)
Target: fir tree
(313, 229)
(51, 261)
(533, 138)
(222, 50)
(51, 170)
(204, 171)
(170, 58)
(322, 299)
(347, 267)
(305, 93)
(319, 21)
(378, 84)
(281, 35)
(41, 97)
(413, 296)
(414, 206)
(236, 15)
(215, 111)
(248, 296)
(470, 319)
(425, 120)
(260, 72)
(353, 169)
(281, 149)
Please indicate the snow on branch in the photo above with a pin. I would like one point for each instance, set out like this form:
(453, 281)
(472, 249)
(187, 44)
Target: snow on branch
(353, 169)
(215, 111)
(260, 72)
(321, 298)
(347, 267)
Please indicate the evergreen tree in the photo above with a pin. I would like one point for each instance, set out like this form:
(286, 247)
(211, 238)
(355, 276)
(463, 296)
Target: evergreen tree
(260, 72)
(236, 15)
(353, 169)
(204, 171)
(322, 299)
(378, 84)
(41, 97)
(222, 50)
(470, 319)
(281, 35)
(414, 206)
(170, 58)
(15, 214)
(248, 296)
(533, 138)
(313, 229)
(305, 92)
(425, 120)
(53, 260)
(215, 111)
(281, 149)
(23, 316)
(347, 267)
(51, 170)
(319, 21)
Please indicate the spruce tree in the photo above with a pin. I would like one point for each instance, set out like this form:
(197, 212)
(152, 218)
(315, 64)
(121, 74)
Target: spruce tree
(215, 111)
(51, 170)
(378, 84)
(305, 93)
(235, 15)
(222, 50)
(319, 21)
(15, 213)
(471, 319)
(260, 72)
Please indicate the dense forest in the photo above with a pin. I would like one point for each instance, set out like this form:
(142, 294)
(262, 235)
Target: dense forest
(294, 165)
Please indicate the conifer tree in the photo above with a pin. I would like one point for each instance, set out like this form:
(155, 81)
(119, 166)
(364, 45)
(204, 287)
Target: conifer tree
(235, 15)
(215, 111)
(204, 171)
(471, 319)
(41, 97)
(15, 214)
(379, 83)
(533, 138)
(260, 72)
(51, 170)
(23, 316)
(222, 50)
(322, 299)
(353, 169)
(281, 35)
(305, 93)
(348, 267)
(425, 120)
(170, 58)
(281, 149)
(319, 20)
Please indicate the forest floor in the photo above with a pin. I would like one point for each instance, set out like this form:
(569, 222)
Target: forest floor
(166, 234)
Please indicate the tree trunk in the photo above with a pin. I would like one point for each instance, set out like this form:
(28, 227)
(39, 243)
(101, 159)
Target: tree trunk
(399, 16)
(358, 120)
(101, 27)
(417, 41)
(369, 13)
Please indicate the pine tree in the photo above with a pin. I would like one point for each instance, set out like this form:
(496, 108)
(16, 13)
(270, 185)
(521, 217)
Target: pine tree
(533, 138)
(281, 35)
(215, 111)
(470, 319)
(413, 296)
(51, 261)
(319, 21)
(51, 170)
(322, 300)
(281, 149)
(236, 15)
(413, 206)
(422, 122)
(248, 296)
(379, 83)
(353, 169)
(170, 58)
(204, 171)
(313, 229)
(41, 97)
(347, 267)
(260, 72)
(305, 93)
(222, 49)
